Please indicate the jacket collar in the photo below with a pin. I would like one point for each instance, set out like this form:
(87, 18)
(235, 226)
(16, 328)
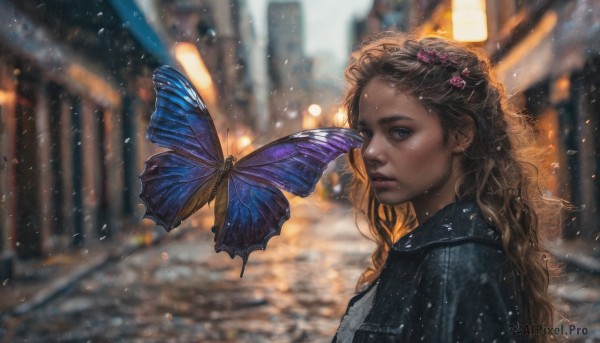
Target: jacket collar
(457, 222)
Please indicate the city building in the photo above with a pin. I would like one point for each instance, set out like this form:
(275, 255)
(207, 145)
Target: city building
(288, 67)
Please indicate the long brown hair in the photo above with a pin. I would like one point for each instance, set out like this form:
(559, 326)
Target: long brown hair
(501, 164)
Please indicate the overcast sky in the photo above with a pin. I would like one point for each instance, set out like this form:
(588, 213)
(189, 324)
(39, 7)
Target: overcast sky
(326, 24)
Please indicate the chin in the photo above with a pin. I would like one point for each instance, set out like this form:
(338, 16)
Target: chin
(386, 199)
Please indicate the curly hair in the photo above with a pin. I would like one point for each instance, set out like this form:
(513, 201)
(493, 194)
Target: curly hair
(501, 170)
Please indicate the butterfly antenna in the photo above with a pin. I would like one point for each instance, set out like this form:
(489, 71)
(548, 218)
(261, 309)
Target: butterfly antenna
(227, 141)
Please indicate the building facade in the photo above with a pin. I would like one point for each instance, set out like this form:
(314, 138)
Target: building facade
(76, 96)
(74, 89)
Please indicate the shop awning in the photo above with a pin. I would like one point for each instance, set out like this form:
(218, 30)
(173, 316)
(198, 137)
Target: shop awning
(134, 19)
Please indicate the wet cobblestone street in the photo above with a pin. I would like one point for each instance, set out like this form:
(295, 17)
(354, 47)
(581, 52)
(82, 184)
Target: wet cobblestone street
(181, 291)
(295, 291)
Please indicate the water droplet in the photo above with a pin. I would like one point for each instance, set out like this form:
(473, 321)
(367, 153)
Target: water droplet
(127, 140)
(571, 152)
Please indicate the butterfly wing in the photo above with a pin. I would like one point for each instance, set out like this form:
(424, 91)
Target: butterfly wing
(174, 187)
(181, 121)
(177, 183)
(296, 163)
(247, 214)
(251, 209)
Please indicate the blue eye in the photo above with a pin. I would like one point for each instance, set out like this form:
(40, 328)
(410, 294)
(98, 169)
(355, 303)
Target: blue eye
(399, 132)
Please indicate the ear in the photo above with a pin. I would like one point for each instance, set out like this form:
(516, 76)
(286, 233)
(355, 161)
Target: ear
(462, 138)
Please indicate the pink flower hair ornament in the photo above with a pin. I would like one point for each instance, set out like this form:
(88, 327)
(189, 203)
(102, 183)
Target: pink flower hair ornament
(457, 81)
(431, 56)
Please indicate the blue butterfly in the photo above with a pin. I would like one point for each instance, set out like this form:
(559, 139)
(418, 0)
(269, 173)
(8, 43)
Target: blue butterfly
(248, 203)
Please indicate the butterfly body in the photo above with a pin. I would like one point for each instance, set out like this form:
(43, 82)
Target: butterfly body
(223, 173)
(249, 205)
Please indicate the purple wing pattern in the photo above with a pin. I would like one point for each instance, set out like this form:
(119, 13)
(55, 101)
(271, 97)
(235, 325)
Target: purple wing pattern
(247, 215)
(181, 121)
(296, 163)
(174, 187)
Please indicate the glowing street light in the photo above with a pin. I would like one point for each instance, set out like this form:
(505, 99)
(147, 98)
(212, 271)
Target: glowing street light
(314, 110)
(469, 20)
(189, 57)
(6, 97)
(243, 142)
(340, 118)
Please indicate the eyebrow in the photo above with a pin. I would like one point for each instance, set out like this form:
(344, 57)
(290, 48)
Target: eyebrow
(387, 120)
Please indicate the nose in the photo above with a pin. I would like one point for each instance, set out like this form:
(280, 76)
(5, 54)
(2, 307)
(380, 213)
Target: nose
(373, 152)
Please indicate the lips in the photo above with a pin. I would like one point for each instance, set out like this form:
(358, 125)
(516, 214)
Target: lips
(379, 178)
(381, 181)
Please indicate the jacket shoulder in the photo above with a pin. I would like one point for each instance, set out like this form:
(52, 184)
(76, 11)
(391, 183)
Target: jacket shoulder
(456, 223)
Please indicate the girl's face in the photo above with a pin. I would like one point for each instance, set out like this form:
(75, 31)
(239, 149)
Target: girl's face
(404, 150)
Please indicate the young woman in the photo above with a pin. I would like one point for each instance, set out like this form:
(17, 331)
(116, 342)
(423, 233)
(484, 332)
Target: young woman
(452, 195)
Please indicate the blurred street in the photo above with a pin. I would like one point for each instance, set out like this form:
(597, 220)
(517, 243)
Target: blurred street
(295, 291)
(181, 291)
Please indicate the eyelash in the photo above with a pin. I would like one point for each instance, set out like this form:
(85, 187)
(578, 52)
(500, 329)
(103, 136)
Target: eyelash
(394, 133)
